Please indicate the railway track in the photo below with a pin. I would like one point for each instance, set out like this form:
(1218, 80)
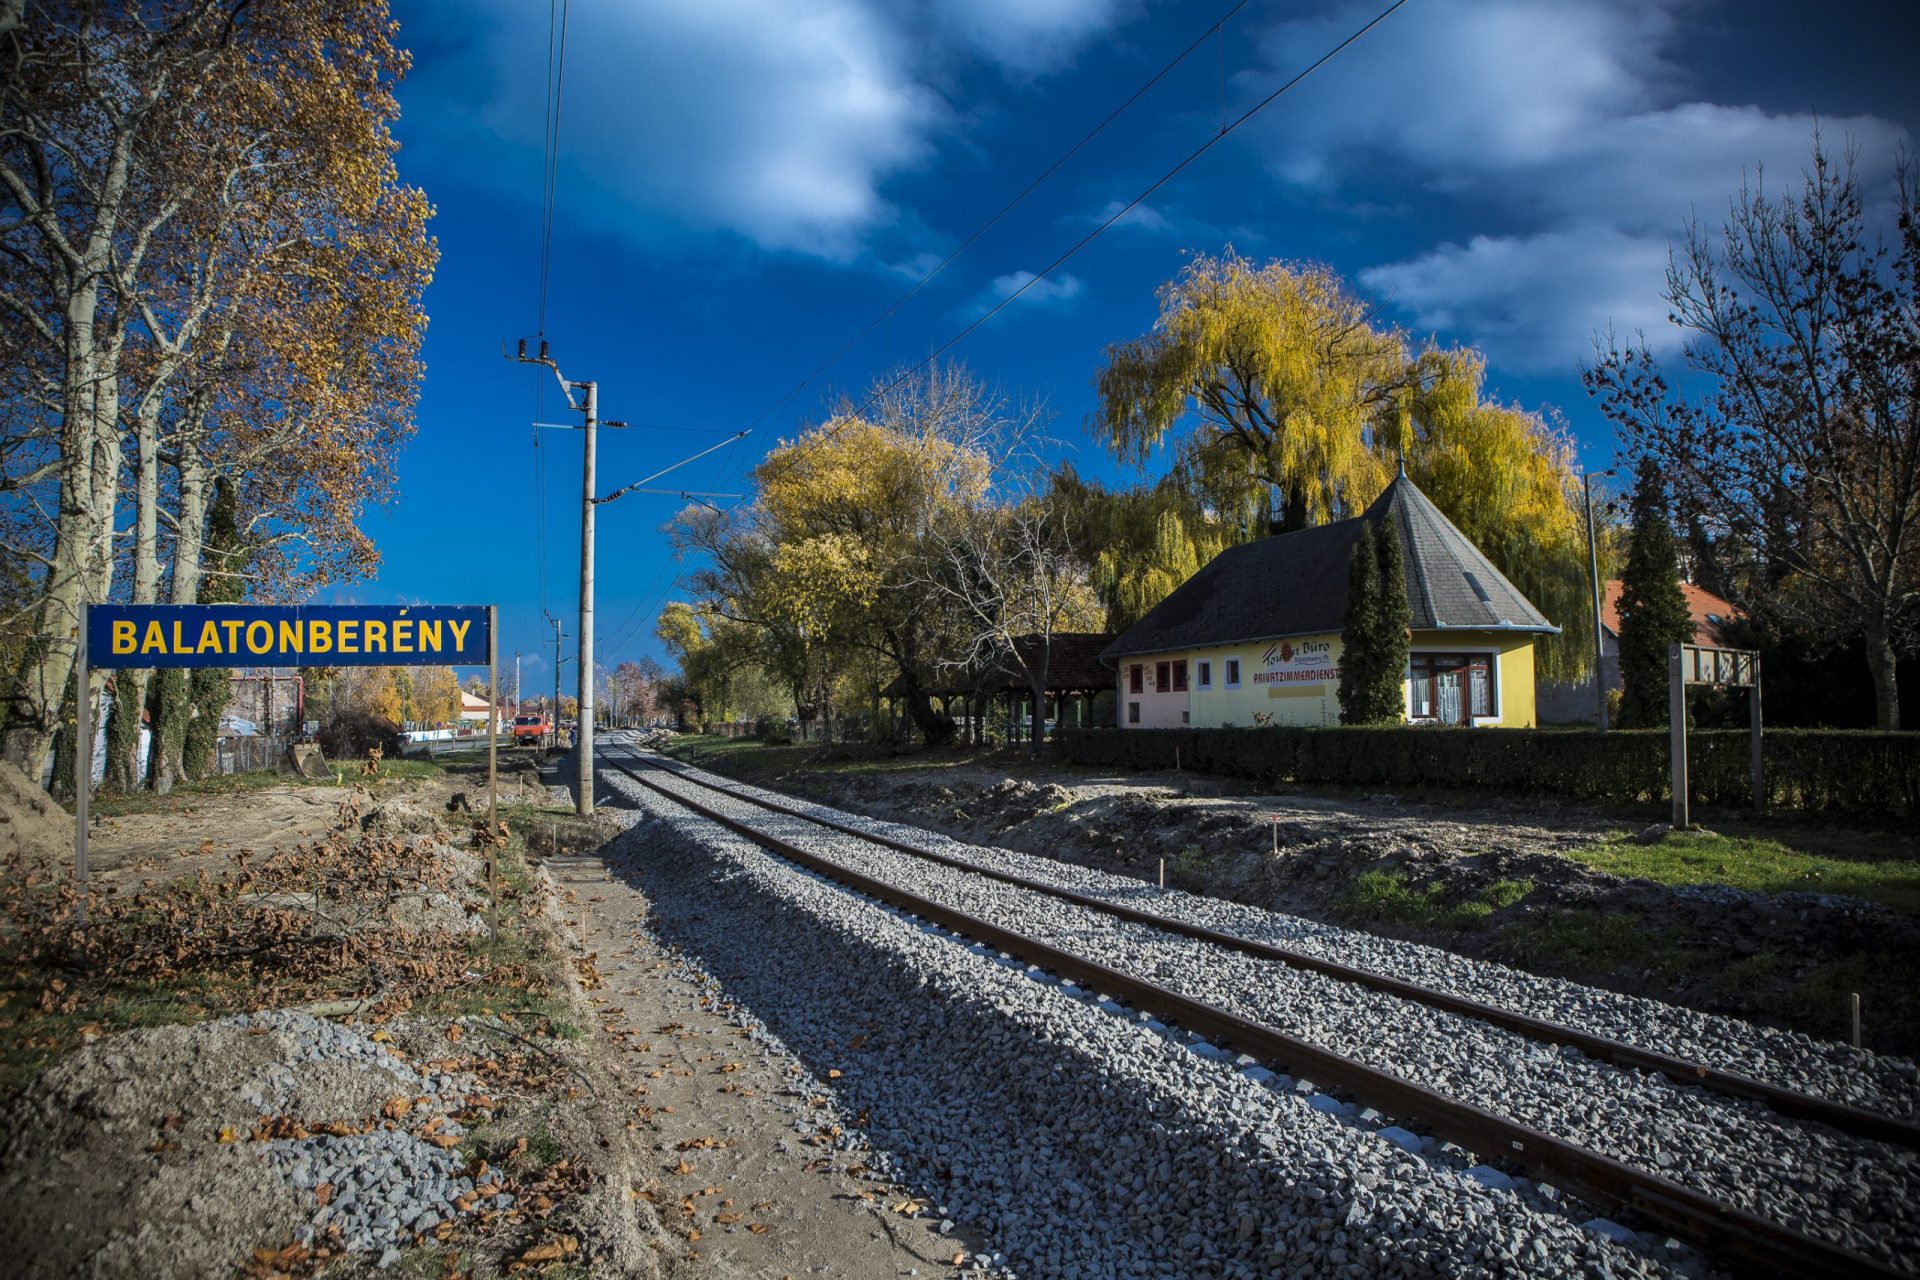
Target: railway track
(1756, 1242)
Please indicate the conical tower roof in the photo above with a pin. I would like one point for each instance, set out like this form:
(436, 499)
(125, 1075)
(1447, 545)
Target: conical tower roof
(1450, 584)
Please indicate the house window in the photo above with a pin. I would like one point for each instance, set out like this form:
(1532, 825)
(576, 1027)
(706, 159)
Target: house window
(1183, 716)
(1450, 687)
(1162, 680)
(1233, 673)
(1133, 710)
(1180, 676)
(1136, 674)
(1205, 674)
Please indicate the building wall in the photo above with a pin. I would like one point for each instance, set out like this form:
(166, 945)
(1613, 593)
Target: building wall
(1159, 708)
(1297, 681)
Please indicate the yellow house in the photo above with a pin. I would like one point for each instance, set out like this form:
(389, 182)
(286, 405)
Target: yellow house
(1254, 637)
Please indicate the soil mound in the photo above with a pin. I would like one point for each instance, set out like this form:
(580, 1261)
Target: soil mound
(32, 827)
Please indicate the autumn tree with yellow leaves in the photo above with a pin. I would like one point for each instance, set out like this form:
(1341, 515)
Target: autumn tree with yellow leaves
(1284, 401)
(214, 273)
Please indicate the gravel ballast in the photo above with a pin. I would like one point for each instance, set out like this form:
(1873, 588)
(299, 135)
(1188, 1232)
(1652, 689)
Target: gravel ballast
(1860, 1194)
(1084, 1139)
(1824, 1068)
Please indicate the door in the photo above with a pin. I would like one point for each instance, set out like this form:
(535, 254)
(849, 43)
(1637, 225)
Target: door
(1450, 696)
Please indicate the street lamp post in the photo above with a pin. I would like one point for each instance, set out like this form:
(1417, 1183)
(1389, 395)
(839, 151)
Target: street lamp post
(1593, 570)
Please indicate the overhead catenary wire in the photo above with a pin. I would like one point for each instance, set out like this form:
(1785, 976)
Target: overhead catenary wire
(1212, 29)
(549, 184)
(833, 429)
(1227, 129)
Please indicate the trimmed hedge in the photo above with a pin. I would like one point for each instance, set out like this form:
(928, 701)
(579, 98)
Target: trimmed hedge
(1839, 771)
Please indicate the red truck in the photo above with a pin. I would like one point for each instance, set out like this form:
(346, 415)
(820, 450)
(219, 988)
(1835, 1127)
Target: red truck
(531, 729)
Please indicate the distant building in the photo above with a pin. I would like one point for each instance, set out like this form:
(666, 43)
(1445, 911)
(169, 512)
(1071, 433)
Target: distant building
(473, 708)
(1255, 636)
(1573, 701)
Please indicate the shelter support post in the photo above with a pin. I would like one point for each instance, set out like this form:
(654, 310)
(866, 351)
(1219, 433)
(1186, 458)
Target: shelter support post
(1677, 713)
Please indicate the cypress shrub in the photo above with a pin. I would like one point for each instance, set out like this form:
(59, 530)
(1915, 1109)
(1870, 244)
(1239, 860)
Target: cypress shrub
(1653, 612)
(1360, 631)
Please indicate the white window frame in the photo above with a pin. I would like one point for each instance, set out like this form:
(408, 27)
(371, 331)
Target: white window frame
(1233, 673)
(1493, 674)
(1203, 668)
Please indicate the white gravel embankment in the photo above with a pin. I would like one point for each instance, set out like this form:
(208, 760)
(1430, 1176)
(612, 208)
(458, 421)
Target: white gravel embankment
(1861, 1194)
(1082, 1139)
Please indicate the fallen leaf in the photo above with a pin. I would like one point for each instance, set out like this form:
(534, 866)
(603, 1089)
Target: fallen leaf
(758, 1228)
(323, 1193)
(228, 1134)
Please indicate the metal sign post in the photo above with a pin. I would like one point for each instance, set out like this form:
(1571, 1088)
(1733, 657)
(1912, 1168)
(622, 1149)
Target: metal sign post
(82, 764)
(1695, 664)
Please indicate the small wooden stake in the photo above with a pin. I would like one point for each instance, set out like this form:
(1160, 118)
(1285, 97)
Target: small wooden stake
(1856, 1019)
(1276, 833)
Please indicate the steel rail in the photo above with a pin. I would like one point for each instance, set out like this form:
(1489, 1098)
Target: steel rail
(1766, 1247)
(1787, 1102)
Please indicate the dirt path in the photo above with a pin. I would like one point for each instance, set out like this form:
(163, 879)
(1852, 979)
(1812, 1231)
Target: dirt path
(736, 1177)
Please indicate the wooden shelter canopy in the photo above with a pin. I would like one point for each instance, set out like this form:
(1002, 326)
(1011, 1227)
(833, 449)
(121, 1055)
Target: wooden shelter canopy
(1073, 667)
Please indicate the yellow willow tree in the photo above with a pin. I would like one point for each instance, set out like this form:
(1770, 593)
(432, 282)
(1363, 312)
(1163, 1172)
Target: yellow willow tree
(1278, 380)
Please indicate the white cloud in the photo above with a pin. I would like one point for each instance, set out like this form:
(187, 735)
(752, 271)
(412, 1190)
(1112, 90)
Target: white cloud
(1054, 291)
(1062, 288)
(781, 121)
(1535, 302)
(1029, 36)
(1566, 125)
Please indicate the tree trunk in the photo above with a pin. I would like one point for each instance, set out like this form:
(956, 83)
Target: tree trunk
(130, 687)
(935, 728)
(1883, 662)
(174, 705)
(82, 565)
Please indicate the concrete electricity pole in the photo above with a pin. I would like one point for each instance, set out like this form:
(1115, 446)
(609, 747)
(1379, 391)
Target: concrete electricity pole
(584, 737)
(589, 407)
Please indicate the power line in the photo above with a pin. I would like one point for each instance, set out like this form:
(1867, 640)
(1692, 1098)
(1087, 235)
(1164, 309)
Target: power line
(1005, 209)
(549, 184)
(1087, 239)
(1226, 129)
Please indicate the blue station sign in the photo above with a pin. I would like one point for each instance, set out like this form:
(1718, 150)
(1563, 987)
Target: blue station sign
(311, 635)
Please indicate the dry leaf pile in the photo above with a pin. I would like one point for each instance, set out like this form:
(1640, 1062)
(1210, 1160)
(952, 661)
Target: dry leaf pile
(326, 919)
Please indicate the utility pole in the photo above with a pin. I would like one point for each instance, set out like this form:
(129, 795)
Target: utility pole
(589, 407)
(554, 714)
(516, 684)
(584, 738)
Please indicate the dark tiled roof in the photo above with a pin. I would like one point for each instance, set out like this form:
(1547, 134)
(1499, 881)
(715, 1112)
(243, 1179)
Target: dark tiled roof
(1296, 584)
(1074, 666)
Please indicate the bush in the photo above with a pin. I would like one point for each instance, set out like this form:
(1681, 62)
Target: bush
(350, 735)
(1863, 773)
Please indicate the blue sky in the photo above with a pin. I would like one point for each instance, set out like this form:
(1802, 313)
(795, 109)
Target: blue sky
(745, 184)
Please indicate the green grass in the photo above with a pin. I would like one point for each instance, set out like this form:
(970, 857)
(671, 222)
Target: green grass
(1385, 897)
(1889, 988)
(1878, 867)
(1581, 940)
